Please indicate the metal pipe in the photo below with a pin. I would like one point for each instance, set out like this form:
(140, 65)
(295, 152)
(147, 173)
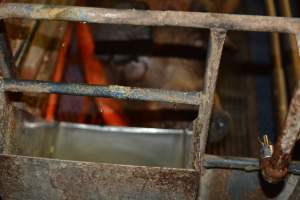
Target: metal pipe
(241, 163)
(150, 18)
(113, 91)
(275, 168)
(286, 11)
(279, 81)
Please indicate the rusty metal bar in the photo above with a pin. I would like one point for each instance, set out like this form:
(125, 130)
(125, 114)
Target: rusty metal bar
(112, 91)
(40, 178)
(216, 41)
(279, 81)
(201, 124)
(241, 163)
(275, 168)
(150, 18)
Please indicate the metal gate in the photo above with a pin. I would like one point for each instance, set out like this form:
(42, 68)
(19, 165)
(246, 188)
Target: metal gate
(212, 177)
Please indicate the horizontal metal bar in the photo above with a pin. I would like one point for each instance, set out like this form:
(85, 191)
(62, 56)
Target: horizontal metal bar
(112, 91)
(151, 18)
(21, 176)
(242, 163)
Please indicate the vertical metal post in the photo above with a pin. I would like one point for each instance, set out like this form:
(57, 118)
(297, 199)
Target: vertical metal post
(7, 117)
(201, 124)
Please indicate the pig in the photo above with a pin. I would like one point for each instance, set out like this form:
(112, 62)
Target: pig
(169, 72)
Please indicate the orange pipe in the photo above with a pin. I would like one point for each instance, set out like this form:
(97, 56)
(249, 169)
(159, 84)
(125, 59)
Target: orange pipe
(58, 74)
(110, 109)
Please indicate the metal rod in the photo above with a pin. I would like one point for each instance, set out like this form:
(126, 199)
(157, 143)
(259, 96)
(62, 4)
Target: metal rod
(275, 169)
(23, 49)
(216, 41)
(118, 92)
(150, 18)
(201, 124)
(279, 81)
(286, 11)
(241, 163)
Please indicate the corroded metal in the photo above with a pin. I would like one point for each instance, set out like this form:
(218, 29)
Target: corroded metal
(201, 124)
(217, 38)
(35, 178)
(151, 18)
(274, 169)
(8, 125)
(113, 91)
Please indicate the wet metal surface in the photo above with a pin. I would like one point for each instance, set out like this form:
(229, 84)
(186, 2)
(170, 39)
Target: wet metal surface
(118, 92)
(35, 178)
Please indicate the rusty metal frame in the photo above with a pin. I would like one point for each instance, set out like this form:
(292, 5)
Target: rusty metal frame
(218, 25)
(150, 18)
(112, 91)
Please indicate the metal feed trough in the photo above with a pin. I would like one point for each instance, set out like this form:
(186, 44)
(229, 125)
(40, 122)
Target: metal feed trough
(210, 177)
